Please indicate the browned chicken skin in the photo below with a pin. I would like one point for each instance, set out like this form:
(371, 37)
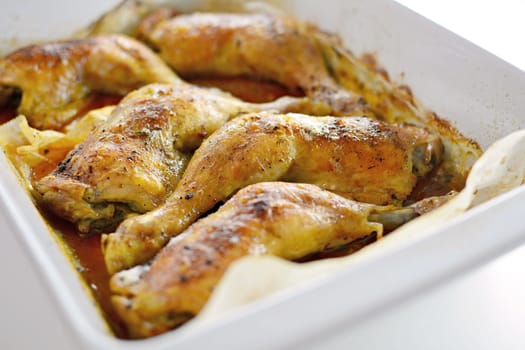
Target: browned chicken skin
(259, 46)
(282, 219)
(133, 161)
(366, 160)
(56, 78)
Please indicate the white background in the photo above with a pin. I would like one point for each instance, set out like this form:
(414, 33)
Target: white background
(497, 26)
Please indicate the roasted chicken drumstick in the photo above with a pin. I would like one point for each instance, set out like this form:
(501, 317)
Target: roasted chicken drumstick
(366, 160)
(56, 78)
(132, 162)
(260, 46)
(282, 219)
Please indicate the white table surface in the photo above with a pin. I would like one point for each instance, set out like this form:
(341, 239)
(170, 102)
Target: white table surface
(482, 310)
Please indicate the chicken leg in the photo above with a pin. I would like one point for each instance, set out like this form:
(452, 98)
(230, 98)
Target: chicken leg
(260, 46)
(56, 78)
(287, 220)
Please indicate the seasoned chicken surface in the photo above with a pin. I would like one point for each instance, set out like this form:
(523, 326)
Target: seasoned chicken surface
(260, 46)
(57, 78)
(396, 104)
(282, 219)
(130, 163)
(366, 160)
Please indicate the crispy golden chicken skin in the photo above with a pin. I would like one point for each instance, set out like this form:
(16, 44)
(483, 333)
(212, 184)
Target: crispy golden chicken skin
(260, 46)
(282, 219)
(132, 162)
(56, 78)
(367, 160)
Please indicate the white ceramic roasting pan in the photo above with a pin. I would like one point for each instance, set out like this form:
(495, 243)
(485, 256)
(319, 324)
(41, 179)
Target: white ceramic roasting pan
(481, 95)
